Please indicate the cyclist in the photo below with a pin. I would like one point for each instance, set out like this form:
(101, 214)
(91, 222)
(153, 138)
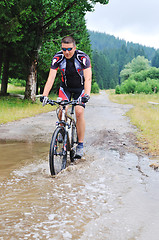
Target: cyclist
(75, 67)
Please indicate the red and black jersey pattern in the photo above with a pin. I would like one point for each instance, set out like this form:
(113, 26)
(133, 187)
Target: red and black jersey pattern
(72, 74)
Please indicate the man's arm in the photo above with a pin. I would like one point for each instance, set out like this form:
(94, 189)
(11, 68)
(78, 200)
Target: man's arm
(50, 82)
(88, 80)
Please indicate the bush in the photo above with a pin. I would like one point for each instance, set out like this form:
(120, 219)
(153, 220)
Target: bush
(154, 84)
(131, 85)
(152, 73)
(95, 88)
(17, 82)
(117, 89)
(149, 86)
(144, 87)
(139, 77)
(128, 86)
(123, 87)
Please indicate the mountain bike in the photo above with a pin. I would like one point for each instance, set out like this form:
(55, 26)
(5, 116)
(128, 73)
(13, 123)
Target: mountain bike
(64, 138)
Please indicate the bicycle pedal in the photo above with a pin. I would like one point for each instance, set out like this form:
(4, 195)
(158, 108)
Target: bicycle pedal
(77, 157)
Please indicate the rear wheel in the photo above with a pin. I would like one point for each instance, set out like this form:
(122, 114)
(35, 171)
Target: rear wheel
(74, 140)
(58, 153)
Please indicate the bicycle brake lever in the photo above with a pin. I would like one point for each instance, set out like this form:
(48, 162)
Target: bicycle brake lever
(59, 99)
(80, 100)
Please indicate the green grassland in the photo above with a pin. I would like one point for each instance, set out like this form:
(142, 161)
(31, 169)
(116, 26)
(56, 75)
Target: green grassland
(13, 108)
(144, 115)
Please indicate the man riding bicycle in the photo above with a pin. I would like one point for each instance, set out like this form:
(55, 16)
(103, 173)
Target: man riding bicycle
(75, 67)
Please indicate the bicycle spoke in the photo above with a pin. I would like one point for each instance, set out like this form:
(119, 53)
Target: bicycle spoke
(57, 154)
(74, 141)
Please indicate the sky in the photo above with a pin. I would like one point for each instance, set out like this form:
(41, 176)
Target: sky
(132, 20)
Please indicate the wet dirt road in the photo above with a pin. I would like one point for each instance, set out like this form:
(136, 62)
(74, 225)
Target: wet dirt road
(110, 194)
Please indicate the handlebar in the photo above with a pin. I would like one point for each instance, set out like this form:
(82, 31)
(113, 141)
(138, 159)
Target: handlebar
(61, 102)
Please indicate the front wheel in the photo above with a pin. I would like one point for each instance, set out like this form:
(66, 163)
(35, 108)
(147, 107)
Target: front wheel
(74, 141)
(58, 152)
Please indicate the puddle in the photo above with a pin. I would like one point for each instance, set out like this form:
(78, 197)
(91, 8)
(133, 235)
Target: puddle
(101, 197)
(16, 154)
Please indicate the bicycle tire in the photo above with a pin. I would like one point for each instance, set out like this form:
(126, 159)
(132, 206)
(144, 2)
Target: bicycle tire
(74, 140)
(58, 153)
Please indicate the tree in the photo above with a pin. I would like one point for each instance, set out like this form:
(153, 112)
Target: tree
(102, 70)
(126, 72)
(119, 53)
(136, 65)
(81, 8)
(155, 60)
(16, 18)
(27, 23)
(139, 63)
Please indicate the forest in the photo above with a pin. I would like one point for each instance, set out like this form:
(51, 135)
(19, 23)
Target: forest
(30, 35)
(111, 55)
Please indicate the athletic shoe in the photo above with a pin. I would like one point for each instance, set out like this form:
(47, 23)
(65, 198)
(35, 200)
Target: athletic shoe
(79, 152)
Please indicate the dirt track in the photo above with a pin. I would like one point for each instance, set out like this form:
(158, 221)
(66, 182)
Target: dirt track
(110, 124)
(106, 126)
(112, 193)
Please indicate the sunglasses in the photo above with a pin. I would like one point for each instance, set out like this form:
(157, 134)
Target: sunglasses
(64, 49)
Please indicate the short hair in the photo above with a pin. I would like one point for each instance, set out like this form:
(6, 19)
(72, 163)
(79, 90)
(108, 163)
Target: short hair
(68, 39)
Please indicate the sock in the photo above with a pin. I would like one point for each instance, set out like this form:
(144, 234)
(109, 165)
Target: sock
(80, 144)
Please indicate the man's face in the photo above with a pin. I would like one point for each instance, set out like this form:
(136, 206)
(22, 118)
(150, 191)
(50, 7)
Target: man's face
(68, 50)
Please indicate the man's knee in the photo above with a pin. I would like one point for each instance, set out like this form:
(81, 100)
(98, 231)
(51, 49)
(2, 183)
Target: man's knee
(79, 112)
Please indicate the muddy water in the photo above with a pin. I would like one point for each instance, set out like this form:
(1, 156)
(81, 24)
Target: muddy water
(14, 154)
(111, 193)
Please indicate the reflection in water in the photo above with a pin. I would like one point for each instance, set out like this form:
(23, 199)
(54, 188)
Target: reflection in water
(16, 154)
(98, 198)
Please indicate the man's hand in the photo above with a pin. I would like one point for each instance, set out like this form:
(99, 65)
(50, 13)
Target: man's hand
(85, 98)
(44, 100)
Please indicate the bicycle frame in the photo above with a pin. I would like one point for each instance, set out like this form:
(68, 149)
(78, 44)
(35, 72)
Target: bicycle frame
(64, 137)
(64, 124)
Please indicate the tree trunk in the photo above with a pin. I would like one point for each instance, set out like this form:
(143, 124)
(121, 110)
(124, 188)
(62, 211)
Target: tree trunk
(30, 91)
(37, 86)
(5, 75)
(1, 61)
(41, 89)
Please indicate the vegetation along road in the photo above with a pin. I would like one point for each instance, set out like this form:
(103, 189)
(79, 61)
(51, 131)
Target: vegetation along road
(112, 193)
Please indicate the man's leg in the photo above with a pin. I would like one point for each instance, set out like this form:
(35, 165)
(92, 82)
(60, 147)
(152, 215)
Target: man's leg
(80, 124)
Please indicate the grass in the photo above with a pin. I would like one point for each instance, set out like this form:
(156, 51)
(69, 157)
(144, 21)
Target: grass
(12, 108)
(15, 90)
(145, 116)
